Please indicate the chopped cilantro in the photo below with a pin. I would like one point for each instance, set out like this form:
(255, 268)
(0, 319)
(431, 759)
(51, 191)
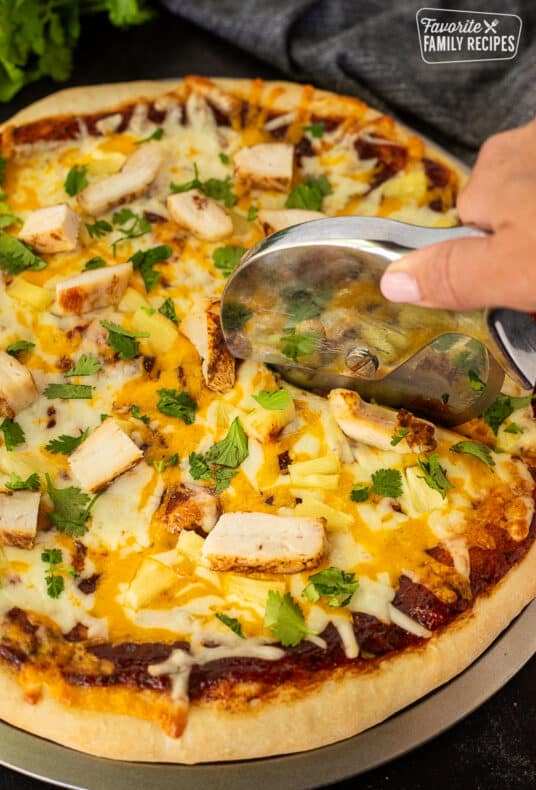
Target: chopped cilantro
(475, 383)
(232, 449)
(284, 619)
(332, 583)
(177, 404)
(475, 449)
(222, 479)
(252, 213)
(76, 180)
(434, 475)
(303, 304)
(219, 189)
(398, 435)
(13, 434)
(224, 158)
(167, 308)
(309, 194)
(138, 226)
(55, 583)
(65, 444)
(360, 492)
(273, 400)
(123, 341)
(136, 413)
(299, 344)
(72, 508)
(199, 468)
(94, 263)
(145, 260)
(513, 427)
(16, 257)
(156, 135)
(68, 391)
(52, 556)
(19, 347)
(316, 129)
(445, 398)
(226, 258)
(502, 408)
(16, 483)
(234, 316)
(232, 623)
(98, 229)
(86, 365)
(387, 482)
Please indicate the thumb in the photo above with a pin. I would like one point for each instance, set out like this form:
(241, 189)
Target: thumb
(465, 274)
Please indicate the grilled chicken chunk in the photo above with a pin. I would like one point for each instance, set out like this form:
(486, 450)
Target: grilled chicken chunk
(190, 507)
(201, 215)
(267, 165)
(376, 425)
(202, 328)
(92, 290)
(51, 229)
(17, 387)
(103, 456)
(277, 219)
(260, 542)
(18, 518)
(134, 178)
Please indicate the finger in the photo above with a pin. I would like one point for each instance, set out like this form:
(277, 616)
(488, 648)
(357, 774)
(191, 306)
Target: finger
(465, 274)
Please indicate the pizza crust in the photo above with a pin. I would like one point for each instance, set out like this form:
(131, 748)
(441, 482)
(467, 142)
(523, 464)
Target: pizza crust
(289, 723)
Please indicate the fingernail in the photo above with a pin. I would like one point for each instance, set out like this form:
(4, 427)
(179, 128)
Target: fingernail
(400, 287)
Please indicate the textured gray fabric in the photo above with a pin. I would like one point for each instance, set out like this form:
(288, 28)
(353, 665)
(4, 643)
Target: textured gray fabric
(370, 49)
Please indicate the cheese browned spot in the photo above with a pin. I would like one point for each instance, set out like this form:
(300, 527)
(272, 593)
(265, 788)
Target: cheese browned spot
(267, 165)
(376, 426)
(201, 215)
(134, 178)
(17, 387)
(190, 507)
(105, 454)
(92, 290)
(18, 518)
(203, 329)
(254, 542)
(51, 229)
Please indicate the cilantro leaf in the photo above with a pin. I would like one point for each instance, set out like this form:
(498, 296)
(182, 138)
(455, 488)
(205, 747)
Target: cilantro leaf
(232, 449)
(144, 261)
(226, 258)
(55, 584)
(309, 194)
(216, 188)
(513, 428)
(52, 556)
(273, 400)
(68, 391)
(19, 347)
(398, 435)
(16, 483)
(139, 226)
(434, 475)
(303, 304)
(65, 444)
(72, 508)
(224, 158)
(332, 583)
(177, 404)
(16, 257)
(223, 478)
(13, 434)
(299, 344)
(156, 135)
(86, 365)
(316, 129)
(475, 449)
(234, 316)
(475, 383)
(99, 229)
(163, 463)
(502, 408)
(136, 413)
(76, 180)
(199, 469)
(284, 619)
(123, 341)
(186, 186)
(94, 263)
(360, 492)
(167, 308)
(387, 482)
(232, 623)
(252, 213)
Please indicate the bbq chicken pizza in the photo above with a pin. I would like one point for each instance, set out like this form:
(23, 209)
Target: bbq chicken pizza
(199, 561)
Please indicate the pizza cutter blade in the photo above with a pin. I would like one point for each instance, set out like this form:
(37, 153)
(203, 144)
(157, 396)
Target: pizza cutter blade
(307, 300)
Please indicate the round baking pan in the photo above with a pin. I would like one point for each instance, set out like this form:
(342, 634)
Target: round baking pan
(408, 729)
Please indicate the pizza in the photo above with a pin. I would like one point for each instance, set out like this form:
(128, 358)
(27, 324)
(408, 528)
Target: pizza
(199, 561)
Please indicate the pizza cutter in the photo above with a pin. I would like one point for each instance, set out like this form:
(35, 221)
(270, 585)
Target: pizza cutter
(307, 300)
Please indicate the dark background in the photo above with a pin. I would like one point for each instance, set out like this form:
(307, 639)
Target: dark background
(495, 747)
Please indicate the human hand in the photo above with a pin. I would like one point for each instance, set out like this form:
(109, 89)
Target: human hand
(492, 271)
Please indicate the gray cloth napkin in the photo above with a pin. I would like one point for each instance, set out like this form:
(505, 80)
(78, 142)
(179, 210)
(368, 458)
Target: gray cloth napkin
(370, 49)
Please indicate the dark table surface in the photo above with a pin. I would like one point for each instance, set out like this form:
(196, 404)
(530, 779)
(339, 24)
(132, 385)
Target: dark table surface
(493, 748)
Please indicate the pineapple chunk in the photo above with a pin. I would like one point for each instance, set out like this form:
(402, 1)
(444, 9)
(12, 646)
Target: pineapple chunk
(30, 294)
(266, 424)
(422, 497)
(250, 592)
(336, 520)
(410, 186)
(190, 544)
(105, 164)
(132, 300)
(328, 482)
(151, 579)
(163, 334)
(325, 465)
